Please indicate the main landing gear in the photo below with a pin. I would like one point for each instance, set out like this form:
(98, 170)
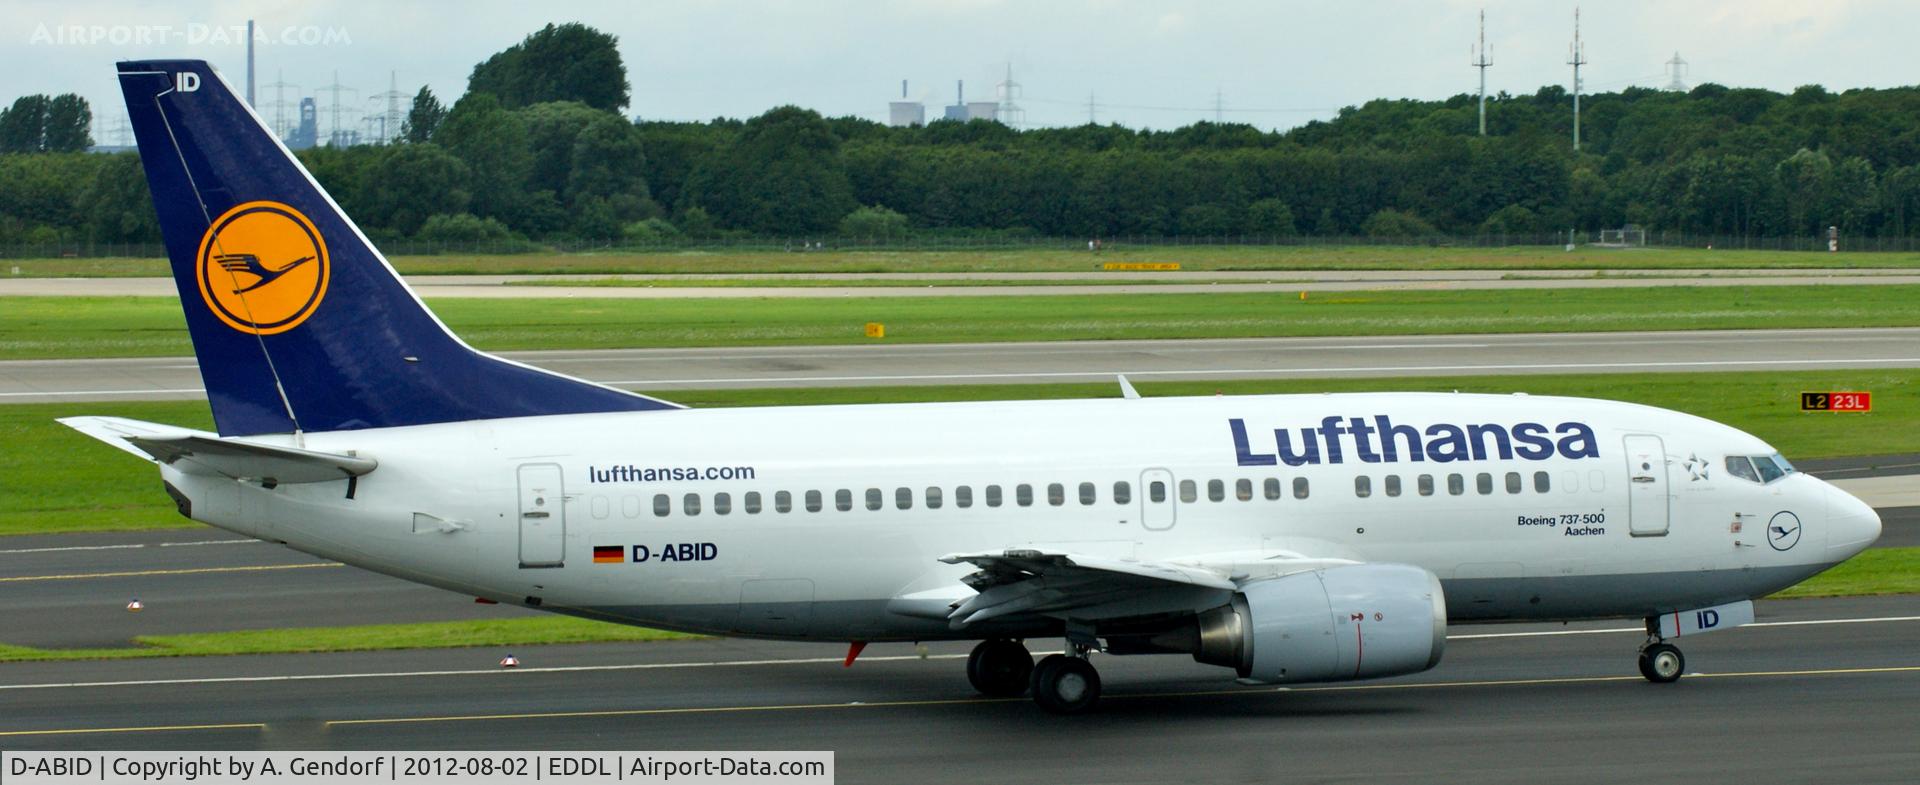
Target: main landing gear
(1661, 663)
(1061, 683)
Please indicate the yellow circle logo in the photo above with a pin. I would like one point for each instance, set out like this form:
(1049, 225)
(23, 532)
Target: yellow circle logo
(262, 268)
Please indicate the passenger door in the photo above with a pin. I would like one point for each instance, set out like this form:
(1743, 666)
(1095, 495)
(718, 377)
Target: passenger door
(1648, 506)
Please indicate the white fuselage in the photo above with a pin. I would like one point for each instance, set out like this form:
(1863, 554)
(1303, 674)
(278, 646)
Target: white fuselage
(1639, 518)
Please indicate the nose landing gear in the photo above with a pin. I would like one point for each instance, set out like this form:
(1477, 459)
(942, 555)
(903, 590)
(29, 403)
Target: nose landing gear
(1662, 663)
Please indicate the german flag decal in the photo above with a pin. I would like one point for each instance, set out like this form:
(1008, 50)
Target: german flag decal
(608, 554)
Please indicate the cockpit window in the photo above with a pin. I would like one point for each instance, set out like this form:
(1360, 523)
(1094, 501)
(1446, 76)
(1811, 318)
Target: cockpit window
(1759, 468)
(1739, 466)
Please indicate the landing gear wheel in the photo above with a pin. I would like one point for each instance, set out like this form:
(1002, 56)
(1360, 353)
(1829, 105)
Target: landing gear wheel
(1662, 663)
(1000, 668)
(1065, 685)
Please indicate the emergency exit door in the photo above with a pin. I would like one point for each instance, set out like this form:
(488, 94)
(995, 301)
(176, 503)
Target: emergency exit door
(1156, 499)
(543, 516)
(1648, 505)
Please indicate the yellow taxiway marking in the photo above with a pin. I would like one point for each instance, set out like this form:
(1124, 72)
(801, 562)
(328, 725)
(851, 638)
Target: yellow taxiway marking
(141, 573)
(147, 729)
(1202, 693)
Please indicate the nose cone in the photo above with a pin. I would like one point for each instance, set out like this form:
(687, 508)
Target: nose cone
(1852, 526)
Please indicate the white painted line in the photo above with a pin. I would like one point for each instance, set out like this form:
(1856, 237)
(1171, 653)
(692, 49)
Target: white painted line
(129, 546)
(1643, 630)
(1236, 371)
(163, 391)
(748, 663)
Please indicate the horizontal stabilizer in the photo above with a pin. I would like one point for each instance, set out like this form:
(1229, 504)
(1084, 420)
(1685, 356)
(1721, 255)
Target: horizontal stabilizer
(199, 452)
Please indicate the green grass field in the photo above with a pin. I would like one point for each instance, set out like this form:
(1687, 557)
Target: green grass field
(541, 630)
(1064, 258)
(62, 327)
(43, 460)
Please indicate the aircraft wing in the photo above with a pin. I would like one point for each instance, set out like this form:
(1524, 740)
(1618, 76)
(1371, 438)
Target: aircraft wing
(199, 452)
(1079, 586)
(1091, 587)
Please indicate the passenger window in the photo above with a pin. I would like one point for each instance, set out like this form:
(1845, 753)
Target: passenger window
(1243, 490)
(1122, 492)
(690, 504)
(1157, 492)
(783, 502)
(1216, 490)
(722, 504)
(993, 496)
(903, 498)
(1513, 482)
(1393, 485)
(1188, 491)
(1542, 482)
(662, 506)
(1086, 493)
(875, 499)
(933, 497)
(1271, 488)
(843, 500)
(813, 501)
(1739, 466)
(1426, 484)
(751, 502)
(599, 507)
(1023, 495)
(1456, 484)
(1363, 486)
(1483, 483)
(1570, 481)
(1596, 481)
(1056, 494)
(963, 496)
(1299, 487)
(630, 506)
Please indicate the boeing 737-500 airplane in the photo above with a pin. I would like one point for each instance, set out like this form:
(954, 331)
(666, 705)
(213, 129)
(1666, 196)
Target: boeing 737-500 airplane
(1291, 538)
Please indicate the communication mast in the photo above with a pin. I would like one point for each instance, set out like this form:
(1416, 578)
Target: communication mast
(1483, 59)
(1576, 57)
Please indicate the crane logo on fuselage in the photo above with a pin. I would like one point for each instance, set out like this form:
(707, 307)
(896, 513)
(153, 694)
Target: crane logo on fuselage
(1439, 443)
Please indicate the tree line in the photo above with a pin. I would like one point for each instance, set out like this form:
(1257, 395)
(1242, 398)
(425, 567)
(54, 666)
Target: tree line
(538, 148)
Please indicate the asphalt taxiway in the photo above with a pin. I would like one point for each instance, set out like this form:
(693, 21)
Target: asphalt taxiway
(1819, 690)
(879, 364)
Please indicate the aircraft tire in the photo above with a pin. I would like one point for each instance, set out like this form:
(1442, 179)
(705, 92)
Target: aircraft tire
(1065, 685)
(1662, 663)
(1000, 668)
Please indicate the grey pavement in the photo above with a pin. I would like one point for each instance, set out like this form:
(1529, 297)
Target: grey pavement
(880, 364)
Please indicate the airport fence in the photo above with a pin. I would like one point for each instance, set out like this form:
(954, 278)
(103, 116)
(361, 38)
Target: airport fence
(939, 242)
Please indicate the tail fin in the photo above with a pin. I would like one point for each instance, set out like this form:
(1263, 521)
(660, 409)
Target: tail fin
(298, 322)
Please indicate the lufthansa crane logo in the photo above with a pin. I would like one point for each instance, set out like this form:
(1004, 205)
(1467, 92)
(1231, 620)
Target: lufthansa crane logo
(1783, 532)
(262, 268)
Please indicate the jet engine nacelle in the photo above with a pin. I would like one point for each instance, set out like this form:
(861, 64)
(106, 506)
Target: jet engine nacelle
(1336, 624)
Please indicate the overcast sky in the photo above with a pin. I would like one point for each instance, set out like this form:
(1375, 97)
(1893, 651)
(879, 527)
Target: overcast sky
(1155, 63)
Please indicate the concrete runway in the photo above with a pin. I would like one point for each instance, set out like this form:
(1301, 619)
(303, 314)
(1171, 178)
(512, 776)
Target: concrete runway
(1782, 701)
(659, 370)
(1138, 283)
